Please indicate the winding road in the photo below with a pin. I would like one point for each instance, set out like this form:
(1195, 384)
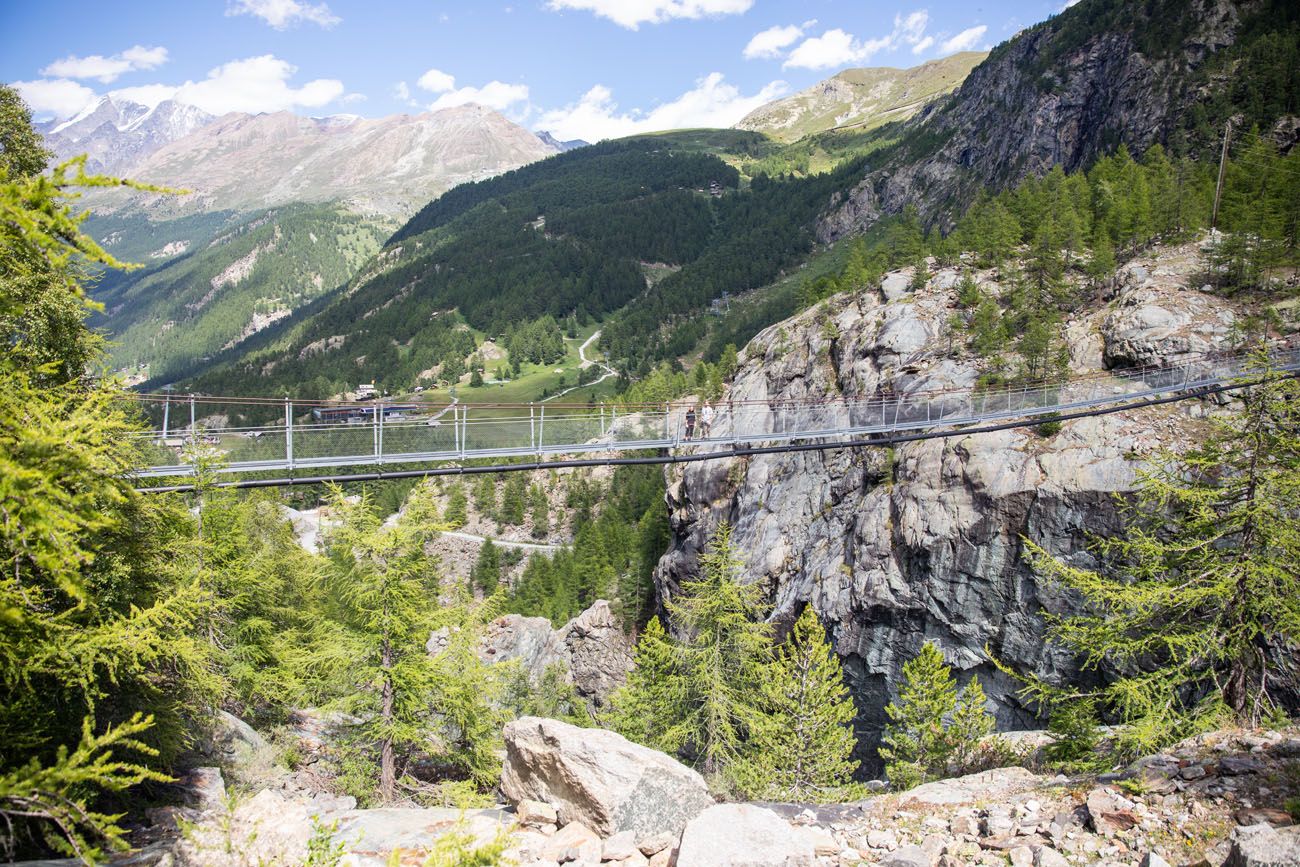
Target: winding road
(502, 543)
(585, 363)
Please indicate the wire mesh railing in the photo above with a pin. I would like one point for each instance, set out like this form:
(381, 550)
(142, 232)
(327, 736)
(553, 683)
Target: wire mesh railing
(315, 434)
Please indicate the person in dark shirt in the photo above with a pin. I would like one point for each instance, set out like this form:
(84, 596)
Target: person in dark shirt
(690, 421)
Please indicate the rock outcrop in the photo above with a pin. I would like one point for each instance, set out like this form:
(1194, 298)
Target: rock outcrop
(926, 542)
(599, 779)
(742, 835)
(591, 647)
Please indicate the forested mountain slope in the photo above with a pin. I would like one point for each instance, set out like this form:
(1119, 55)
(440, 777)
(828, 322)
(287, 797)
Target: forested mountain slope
(573, 234)
(1066, 91)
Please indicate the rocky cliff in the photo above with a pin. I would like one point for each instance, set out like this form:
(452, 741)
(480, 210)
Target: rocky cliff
(1064, 92)
(893, 548)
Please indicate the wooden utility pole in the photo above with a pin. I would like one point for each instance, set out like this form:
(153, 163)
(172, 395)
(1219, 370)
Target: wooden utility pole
(1223, 167)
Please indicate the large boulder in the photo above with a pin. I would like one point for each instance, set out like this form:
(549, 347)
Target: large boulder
(743, 835)
(599, 778)
(1264, 846)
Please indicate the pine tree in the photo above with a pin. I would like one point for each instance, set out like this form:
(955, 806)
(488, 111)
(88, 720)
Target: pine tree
(803, 748)
(539, 511)
(512, 501)
(916, 745)
(486, 574)
(457, 505)
(971, 723)
(485, 496)
(725, 656)
(380, 577)
(648, 708)
(1204, 585)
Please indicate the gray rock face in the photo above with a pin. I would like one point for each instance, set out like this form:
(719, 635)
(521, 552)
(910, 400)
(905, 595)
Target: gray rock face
(743, 835)
(599, 778)
(924, 542)
(1011, 117)
(591, 648)
(1153, 323)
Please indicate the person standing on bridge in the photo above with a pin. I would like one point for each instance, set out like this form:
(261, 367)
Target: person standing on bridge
(690, 421)
(706, 421)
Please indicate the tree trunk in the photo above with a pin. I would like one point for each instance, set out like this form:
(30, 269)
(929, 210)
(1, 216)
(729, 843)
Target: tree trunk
(387, 764)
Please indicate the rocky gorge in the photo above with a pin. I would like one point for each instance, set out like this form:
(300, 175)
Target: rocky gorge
(925, 541)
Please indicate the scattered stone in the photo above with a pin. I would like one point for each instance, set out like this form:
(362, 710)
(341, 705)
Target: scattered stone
(621, 845)
(1263, 815)
(1153, 859)
(202, 788)
(822, 841)
(1192, 772)
(1106, 815)
(599, 778)
(907, 856)
(574, 842)
(878, 839)
(1046, 856)
(535, 813)
(965, 826)
(1021, 856)
(666, 858)
(1237, 765)
(656, 843)
(972, 788)
(742, 835)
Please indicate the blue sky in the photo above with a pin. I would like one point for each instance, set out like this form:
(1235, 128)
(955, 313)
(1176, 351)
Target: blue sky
(581, 68)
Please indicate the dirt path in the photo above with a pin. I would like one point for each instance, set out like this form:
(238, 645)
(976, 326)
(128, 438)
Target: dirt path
(584, 363)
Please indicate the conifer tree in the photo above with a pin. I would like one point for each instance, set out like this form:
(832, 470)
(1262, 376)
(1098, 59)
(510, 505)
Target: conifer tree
(724, 658)
(455, 515)
(802, 750)
(971, 723)
(1203, 587)
(512, 501)
(380, 577)
(648, 708)
(486, 574)
(916, 746)
(485, 496)
(539, 511)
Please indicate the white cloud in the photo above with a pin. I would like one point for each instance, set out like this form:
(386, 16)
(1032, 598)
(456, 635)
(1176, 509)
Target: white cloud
(436, 81)
(921, 46)
(770, 43)
(253, 85)
(257, 84)
(711, 103)
(965, 40)
(838, 48)
(58, 97)
(282, 14)
(145, 94)
(495, 94)
(633, 13)
(107, 69)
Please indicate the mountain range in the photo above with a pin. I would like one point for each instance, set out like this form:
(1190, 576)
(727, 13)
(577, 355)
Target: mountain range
(861, 98)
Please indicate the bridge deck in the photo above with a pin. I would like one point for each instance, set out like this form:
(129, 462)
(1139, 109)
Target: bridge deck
(378, 435)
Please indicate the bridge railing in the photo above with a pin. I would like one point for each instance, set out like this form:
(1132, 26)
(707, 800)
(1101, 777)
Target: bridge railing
(381, 432)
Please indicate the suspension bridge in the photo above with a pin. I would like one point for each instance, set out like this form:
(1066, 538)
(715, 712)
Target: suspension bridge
(311, 439)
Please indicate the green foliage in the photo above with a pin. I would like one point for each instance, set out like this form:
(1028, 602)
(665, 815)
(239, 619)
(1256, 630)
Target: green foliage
(512, 500)
(1073, 725)
(459, 847)
(56, 795)
(539, 511)
(931, 725)
(802, 750)
(1201, 585)
(647, 709)
(322, 850)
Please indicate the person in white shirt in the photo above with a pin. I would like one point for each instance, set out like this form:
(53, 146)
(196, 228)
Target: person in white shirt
(706, 420)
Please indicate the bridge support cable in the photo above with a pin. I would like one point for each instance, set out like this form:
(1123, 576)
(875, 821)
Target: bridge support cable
(670, 457)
